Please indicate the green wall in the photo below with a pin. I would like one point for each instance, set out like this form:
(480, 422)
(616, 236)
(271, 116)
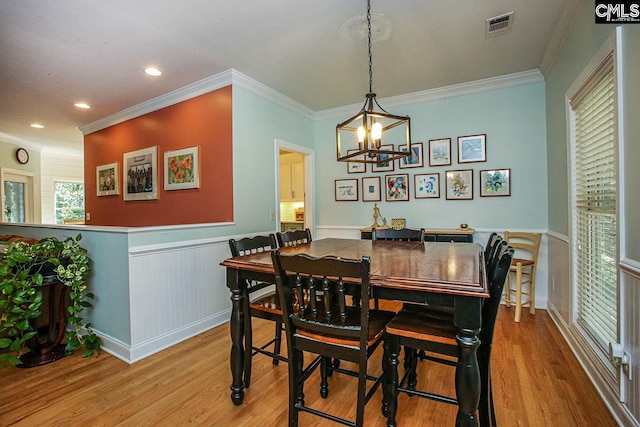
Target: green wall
(513, 120)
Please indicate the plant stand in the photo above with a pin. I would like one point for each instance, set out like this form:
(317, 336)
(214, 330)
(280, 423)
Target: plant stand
(48, 347)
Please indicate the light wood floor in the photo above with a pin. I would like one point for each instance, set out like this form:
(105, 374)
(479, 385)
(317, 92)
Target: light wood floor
(537, 382)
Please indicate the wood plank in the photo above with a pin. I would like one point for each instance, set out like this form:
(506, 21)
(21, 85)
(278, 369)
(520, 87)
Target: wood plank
(537, 382)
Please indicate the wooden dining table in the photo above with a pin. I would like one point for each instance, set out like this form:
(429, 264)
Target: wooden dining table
(444, 274)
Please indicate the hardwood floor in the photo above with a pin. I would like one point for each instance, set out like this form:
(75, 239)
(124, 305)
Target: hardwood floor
(536, 380)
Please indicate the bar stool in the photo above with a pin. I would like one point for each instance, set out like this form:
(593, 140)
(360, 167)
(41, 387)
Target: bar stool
(524, 270)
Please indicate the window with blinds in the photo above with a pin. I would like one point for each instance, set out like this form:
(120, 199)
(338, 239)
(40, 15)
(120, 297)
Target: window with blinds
(595, 235)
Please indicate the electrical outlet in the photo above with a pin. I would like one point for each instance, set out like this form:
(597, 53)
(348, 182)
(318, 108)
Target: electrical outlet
(87, 216)
(272, 216)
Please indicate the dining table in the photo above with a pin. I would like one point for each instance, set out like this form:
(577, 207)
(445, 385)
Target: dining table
(443, 274)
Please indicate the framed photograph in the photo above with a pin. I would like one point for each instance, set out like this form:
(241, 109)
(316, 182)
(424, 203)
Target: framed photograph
(371, 189)
(353, 167)
(140, 174)
(415, 160)
(346, 190)
(385, 166)
(397, 187)
(427, 185)
(181, 169)
(107, 179)
(459, 184)
(440, 152)
(472, 148)
(495, 182)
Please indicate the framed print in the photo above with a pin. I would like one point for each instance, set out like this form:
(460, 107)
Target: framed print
(385, 166)
(415, 160)
(107, 179)
(472, 148)
(427, 185)
(371, 189)
(353, 167)
(495, 182)
(440, 152)
(346, 190)
(459, 184)
(140, 174)
(181, 169)
(397, 187)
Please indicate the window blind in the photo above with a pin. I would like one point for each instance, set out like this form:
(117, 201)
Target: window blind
(595, 189)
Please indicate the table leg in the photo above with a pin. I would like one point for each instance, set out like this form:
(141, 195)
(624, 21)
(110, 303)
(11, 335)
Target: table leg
(467, 378)
(390, 403)
(237, 336)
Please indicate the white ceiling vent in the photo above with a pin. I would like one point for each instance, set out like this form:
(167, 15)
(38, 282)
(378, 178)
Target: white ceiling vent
(499, 25)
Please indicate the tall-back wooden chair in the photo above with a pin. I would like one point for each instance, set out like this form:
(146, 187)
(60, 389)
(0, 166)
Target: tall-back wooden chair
(523, 271)
(420, 328)
(266, 306)
(404, 234)
(292, 238)
(318, 320)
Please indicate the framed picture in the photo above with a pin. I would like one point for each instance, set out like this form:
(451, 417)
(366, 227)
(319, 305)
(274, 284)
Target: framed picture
(140, 174)
(371, 189)
(397, 187)
(181, 169)
(415, 160)
(427, 185)
(353, 167)
(495, 182)
(472, 148)
(346, 190)
(107, 179)
(440, 152)
(384, 166)
(459, 184)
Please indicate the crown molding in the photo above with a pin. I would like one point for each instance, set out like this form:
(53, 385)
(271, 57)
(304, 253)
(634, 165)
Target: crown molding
(198, 88)
(462, 89)
(206, 85)
(563, 29)
(14, 140)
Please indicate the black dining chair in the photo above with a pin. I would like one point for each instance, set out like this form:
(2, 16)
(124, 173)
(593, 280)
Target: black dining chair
(266, 306)
(417, 327)
(292, 238)
(326, 326)
(402, 234)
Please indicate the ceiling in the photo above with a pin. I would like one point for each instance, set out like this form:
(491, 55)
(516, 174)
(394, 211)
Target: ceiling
(55, 53)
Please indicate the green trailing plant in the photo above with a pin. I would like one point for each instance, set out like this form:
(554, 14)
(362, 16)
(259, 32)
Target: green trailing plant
(23, 269)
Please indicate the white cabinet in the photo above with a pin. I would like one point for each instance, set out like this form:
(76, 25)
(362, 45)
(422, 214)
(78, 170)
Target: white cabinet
(292, 182)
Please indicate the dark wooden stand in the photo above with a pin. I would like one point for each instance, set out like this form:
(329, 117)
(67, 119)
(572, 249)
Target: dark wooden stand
(47, 347)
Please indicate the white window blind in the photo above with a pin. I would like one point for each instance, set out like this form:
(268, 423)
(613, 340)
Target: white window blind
(595, 189)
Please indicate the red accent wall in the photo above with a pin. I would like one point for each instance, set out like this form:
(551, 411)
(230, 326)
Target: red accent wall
(205, 121)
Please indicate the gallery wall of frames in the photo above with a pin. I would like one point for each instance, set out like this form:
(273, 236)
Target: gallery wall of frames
(431, 171)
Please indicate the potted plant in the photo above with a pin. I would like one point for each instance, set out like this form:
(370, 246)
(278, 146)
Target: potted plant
(24, 269)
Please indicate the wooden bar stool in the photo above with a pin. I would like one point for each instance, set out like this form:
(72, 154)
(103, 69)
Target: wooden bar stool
(524, 270)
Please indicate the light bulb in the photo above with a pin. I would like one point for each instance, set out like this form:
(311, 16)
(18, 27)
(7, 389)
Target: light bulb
(361, 133)
(376, 131)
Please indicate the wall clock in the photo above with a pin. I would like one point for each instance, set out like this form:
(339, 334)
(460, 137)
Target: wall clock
(22, 156)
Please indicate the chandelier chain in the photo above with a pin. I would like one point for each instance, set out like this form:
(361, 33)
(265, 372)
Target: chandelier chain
(370, 56)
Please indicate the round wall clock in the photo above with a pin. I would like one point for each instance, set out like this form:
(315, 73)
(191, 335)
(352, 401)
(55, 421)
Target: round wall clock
(22, 156)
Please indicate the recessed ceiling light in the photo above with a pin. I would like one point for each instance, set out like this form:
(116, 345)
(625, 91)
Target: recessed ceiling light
(152, 71)
(82, 105)
(36, 125)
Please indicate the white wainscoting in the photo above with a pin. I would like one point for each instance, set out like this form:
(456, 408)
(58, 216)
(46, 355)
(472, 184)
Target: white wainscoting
(176, 291)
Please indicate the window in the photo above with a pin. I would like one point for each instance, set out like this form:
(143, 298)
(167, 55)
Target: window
(594, 204)
(17, 195)
(69, 202)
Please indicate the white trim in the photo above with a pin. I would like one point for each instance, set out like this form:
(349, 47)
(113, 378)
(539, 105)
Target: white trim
(563, 29)
(562, 237)
(462, 89)
(630, 267)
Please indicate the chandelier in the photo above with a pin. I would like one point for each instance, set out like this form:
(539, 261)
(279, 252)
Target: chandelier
(360, 138)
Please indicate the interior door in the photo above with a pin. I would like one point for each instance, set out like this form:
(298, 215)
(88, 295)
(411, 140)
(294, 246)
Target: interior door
(17, 196)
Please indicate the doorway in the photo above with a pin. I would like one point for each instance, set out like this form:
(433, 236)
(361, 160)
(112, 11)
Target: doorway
(294, 196)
